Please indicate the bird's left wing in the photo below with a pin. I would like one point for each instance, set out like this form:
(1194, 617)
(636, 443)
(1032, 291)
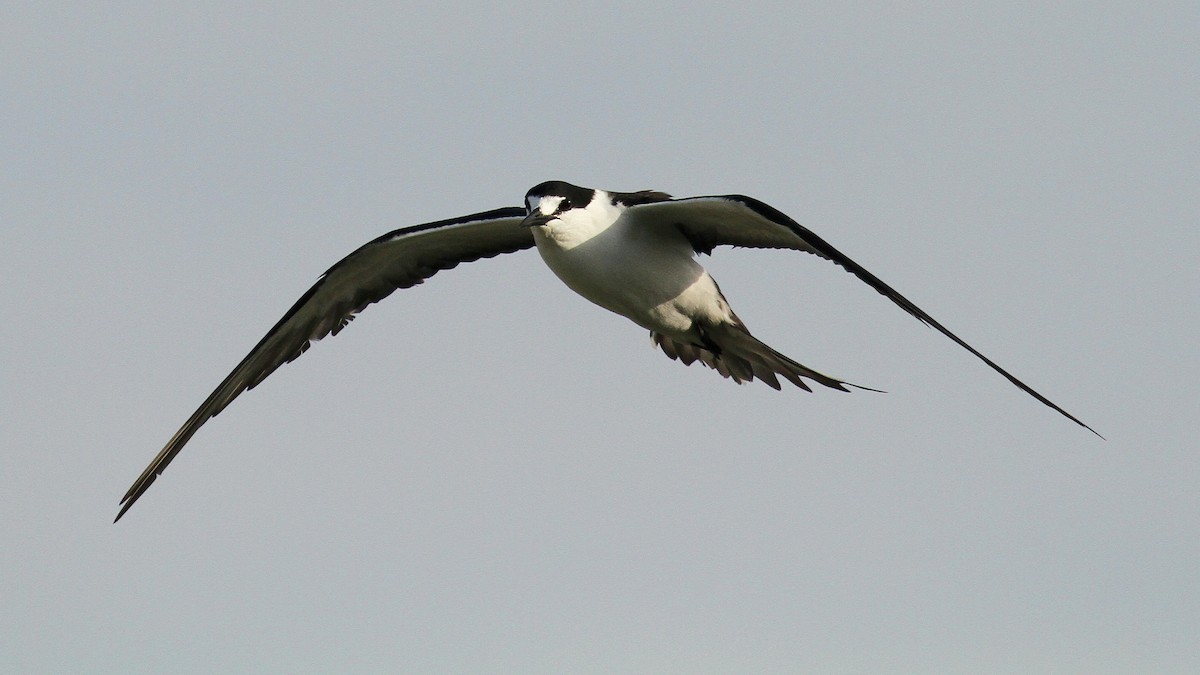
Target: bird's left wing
(737, 220)
(398, 259)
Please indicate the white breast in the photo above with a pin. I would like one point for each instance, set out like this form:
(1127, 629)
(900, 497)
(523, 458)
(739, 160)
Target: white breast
(646, 273)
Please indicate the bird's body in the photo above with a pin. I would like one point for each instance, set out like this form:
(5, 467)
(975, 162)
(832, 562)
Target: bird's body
(647, 274)
(634, 262)
(633, 253)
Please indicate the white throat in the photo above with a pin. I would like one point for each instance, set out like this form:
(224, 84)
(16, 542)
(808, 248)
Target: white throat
(576, 226)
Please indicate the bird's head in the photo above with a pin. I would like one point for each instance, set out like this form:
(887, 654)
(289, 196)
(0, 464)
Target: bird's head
(552, 200)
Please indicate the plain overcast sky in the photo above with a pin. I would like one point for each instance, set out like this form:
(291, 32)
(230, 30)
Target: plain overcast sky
(487, 473)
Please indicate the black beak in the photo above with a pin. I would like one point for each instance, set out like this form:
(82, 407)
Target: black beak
(536, 218)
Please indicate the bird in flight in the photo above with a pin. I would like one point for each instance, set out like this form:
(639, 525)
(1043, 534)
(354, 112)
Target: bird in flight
(633, 253)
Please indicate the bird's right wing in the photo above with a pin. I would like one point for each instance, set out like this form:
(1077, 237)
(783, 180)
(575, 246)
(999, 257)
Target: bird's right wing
(398, 259)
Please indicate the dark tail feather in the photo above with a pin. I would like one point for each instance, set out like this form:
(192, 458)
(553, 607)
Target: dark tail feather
(734, 353)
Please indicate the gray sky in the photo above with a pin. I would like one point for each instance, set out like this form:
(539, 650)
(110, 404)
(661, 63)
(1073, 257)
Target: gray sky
(489, 474)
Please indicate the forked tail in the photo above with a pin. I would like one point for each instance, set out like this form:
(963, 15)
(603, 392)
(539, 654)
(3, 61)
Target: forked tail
(733, 352)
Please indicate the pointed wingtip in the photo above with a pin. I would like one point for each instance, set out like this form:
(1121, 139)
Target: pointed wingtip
(139, 488)
(1054, 407)
(126, 504)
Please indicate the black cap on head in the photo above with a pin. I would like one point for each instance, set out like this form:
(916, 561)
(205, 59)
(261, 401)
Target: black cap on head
(574, 197)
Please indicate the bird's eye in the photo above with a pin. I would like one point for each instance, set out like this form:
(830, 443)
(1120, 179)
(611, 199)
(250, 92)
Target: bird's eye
(564, 205)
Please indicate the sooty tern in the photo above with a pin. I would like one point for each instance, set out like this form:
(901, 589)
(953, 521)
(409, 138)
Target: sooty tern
(633, 253)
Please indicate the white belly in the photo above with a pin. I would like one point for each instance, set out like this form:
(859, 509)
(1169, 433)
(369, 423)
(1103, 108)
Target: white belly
(645, 274)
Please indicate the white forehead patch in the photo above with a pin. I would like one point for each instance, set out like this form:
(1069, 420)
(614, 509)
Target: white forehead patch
(545, 205)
